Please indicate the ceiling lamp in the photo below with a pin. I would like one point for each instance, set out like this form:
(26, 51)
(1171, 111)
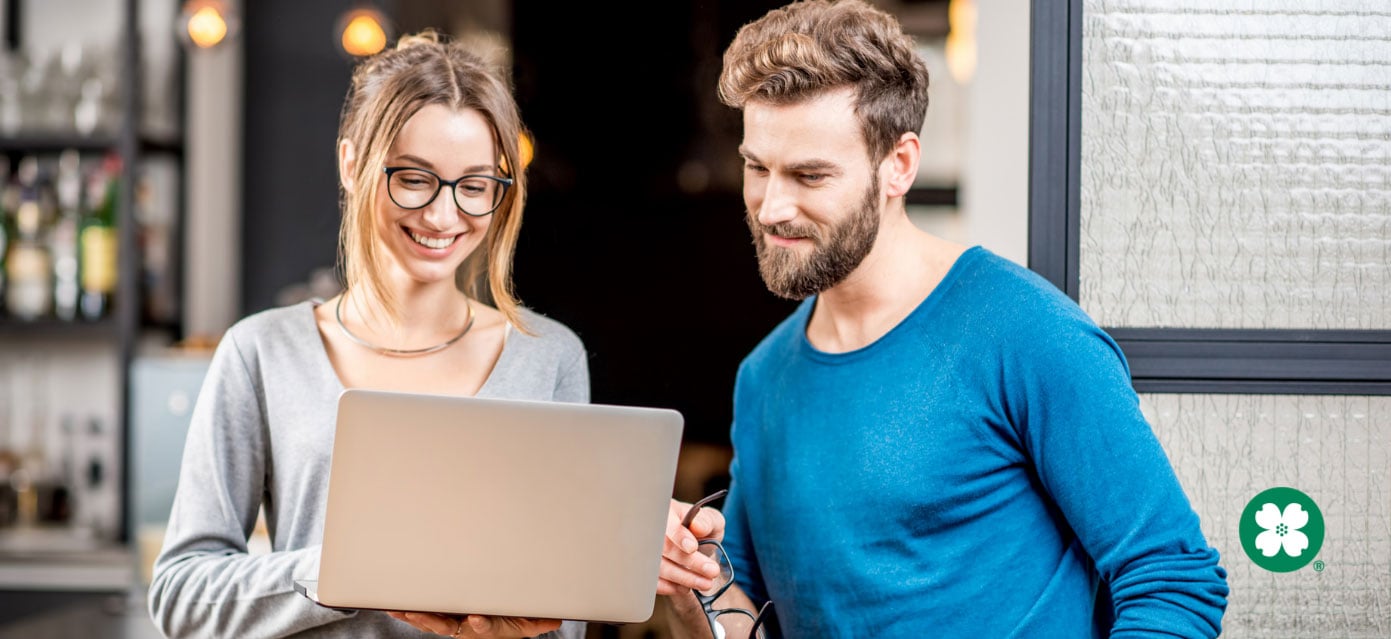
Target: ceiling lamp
(362, 32)
(205, 24)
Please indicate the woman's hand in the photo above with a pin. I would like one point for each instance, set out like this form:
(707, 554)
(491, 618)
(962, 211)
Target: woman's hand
(477, 626)
(683, 567)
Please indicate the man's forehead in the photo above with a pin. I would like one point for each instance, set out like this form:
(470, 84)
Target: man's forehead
(802, 141)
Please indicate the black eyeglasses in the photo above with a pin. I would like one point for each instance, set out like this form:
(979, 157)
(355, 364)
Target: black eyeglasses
(414, 188)
(731, 623)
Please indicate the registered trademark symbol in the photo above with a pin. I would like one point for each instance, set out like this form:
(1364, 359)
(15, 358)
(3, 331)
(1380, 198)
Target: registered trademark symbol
(1319, 566)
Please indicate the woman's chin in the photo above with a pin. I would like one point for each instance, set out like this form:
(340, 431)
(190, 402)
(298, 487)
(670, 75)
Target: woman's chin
(416, 272)
(430, 276)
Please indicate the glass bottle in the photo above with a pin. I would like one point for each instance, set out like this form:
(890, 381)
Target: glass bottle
(63, 244)
(28, 266)
(5, 207)
(98, 241)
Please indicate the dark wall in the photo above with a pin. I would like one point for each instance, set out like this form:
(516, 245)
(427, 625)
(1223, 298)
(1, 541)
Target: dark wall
(660, 282)
(656, 274)
(295, 81)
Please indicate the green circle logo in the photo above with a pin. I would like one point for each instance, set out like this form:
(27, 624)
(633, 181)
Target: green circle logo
(1282, 529)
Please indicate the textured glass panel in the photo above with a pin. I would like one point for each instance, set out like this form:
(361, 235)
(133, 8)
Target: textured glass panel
(1228, 448)
(1235, 160)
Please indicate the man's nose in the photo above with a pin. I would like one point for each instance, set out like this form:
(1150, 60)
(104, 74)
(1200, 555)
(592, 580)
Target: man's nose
(778, 205)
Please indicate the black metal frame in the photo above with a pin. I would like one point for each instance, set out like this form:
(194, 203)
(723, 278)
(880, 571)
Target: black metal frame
(1164, 360)
(127, 305)
(707, 602)
(12, 18)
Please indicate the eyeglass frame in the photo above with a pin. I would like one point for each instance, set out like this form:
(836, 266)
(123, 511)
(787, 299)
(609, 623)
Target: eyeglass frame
(707, 602)
(440, 183)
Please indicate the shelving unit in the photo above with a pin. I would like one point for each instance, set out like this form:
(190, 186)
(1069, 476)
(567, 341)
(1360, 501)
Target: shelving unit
(119, 332)
(53, 328)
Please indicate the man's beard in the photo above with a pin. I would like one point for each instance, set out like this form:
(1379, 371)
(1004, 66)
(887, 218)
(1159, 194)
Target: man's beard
(832, 259)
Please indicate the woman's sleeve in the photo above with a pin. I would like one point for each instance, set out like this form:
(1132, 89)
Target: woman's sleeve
(205, 584)
(572, 383)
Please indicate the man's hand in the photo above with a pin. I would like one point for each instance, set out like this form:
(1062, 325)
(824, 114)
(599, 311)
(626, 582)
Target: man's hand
(477, 626)
(684, 568)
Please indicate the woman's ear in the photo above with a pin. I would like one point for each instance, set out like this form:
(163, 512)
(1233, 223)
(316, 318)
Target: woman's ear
(900, 168)
(347, 164)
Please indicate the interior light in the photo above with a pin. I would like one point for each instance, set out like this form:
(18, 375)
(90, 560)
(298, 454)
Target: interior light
(206, 27)
(961, 40)
(526, 149)
(362, 32)
(206, 23)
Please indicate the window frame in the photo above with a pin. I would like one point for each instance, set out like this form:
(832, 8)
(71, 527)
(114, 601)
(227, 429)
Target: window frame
(1165, 360)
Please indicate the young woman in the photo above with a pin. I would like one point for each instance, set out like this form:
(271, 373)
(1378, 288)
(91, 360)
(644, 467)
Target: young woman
(432, 204)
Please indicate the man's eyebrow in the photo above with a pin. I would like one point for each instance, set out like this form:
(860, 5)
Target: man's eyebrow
(814, 164)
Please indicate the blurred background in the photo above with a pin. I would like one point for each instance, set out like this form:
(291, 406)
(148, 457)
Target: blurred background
(168, 168)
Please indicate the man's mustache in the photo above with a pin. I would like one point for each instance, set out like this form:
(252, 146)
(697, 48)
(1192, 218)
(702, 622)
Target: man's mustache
(787, 230)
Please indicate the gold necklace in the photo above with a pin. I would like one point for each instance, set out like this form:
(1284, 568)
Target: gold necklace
(398, 352)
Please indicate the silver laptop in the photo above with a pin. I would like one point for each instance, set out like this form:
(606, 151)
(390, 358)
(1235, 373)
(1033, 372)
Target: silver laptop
(460, 505)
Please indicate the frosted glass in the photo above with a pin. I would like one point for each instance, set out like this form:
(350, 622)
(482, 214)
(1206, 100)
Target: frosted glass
(1228, 448)
(1235, 163)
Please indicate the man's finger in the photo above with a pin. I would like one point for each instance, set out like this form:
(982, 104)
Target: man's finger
(679, 535)
(681, 575)
(709, 523)
(695, 562)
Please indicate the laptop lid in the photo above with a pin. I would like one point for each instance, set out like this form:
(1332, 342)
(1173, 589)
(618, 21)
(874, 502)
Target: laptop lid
(463, 505)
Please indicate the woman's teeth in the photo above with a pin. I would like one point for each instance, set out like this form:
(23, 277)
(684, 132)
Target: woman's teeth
(433, 242)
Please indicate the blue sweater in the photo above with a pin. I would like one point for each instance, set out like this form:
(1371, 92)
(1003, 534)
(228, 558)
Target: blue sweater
(982, 470)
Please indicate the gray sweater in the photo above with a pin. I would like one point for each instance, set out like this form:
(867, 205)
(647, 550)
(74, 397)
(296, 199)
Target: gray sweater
(261, 435)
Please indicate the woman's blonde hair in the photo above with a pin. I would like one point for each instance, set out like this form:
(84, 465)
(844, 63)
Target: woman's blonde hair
(387, 89)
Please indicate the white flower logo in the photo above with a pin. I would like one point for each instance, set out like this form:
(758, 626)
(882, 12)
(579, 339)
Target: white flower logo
(1282, 530)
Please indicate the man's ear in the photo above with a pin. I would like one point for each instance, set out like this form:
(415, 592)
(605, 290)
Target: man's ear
(347, 163)
(900, 168)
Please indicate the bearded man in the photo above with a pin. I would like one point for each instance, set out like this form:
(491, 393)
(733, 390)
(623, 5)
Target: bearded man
(937, 442)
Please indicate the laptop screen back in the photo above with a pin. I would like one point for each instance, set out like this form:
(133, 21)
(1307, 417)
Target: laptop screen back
(498, 507)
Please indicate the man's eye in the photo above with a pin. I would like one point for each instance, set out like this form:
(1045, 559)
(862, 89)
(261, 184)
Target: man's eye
(813, 177)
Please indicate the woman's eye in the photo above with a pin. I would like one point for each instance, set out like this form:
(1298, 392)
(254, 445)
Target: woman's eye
(474, 188)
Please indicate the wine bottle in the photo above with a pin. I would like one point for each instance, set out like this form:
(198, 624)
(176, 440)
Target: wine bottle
(98, 241)
(63, 244)
(28, 266)
(6, 189)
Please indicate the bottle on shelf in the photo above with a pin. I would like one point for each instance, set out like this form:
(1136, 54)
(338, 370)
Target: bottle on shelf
(63, 245)
(155, 194)
(97, 500)
(28, 267)
(5, 234)
(98, 241)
